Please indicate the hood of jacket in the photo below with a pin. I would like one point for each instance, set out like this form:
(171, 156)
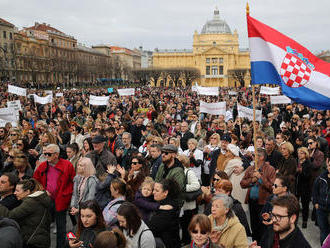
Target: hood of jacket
(41, 197)
(5, 222)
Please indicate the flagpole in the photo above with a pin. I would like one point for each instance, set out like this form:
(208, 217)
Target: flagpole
(254, 111)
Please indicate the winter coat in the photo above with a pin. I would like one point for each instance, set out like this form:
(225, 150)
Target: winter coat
(265, 184)
(10, 234)
(88, 235)
(143, 238)
(288, 167)
(303, 180)
(103, 194)
(237, 192)
(146, 205)
(294, 239)
(33, 217)
(192, 185)
(211, 245)
(164, 224)
(64, 183)
(233, 235)
(196, 161)
(321, 192)
(88, 193)
(317, 162)
(101, 161)
(175, 172)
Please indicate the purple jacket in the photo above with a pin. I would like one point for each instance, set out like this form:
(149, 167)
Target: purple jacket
(146, 205)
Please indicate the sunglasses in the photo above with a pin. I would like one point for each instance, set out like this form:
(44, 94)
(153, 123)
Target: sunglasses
(13, 134)
(30, 133)
(216, 179)
(19, 144)
(48, 154)
(201, 232)
(20, 157)
(310, 143)
(135, 163)
(276, 186)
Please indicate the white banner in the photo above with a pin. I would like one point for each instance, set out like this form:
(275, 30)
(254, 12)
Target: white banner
(126, 92)
(269, 91)
(280, 99)
(8, 114)
(15, 105)
(59, 94)
(232, 93)
(193, 88)
(208, 91)
(3, 123)
(245, 112)
(49, 92)
(43, 100)
(215, 108)
(98, 100)
(16, 90)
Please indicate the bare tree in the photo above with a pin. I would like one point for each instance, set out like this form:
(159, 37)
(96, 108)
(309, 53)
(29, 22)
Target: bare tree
(142, 75)
(190, 74)
(239, 75)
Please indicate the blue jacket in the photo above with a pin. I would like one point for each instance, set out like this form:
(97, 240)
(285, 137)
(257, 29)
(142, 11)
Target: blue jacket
(321, 192)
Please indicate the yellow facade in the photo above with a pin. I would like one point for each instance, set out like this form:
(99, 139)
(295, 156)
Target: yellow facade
(215, 53)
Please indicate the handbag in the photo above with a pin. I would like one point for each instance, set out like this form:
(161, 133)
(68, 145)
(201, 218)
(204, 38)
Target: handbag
(193, 195)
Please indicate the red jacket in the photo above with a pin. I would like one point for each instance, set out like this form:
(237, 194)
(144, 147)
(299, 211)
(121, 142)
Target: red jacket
(64, 183)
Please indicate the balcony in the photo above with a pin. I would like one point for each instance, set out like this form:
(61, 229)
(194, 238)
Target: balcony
(213, 76)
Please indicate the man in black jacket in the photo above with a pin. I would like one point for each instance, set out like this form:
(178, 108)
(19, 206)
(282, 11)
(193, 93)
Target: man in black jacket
(274, 157)
(8, 183)
(185, 135)
(283, 233)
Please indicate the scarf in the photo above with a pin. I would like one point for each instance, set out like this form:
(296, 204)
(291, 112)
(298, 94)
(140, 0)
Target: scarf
(206, 245)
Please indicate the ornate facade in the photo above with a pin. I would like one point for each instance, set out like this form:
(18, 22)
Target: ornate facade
(215, 53)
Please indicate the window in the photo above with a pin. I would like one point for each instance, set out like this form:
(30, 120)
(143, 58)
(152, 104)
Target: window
(11, 36)
(207, 60)
(207, 70)
(214, 70)
(214, 60)
(221, 70)
(4, 34)
(220, 60)
(214, 43)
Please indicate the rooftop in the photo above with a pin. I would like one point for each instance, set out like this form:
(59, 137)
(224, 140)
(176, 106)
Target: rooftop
(3, 21)
(216, 26)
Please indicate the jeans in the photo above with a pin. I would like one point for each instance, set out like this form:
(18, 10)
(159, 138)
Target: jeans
(60, 220)
(323, 222)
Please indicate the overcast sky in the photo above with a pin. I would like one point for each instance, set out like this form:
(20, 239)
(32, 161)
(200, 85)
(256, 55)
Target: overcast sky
(170, 23)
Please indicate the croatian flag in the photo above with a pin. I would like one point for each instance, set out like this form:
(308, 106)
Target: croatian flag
(277, 59)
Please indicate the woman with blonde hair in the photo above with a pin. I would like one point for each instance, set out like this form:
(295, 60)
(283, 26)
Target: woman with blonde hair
(288, 165)
(84, 184)
(176, 142)
(23, 169)
(304, 182)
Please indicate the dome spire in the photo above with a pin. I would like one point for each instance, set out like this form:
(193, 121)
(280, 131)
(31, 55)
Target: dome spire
(216, 13)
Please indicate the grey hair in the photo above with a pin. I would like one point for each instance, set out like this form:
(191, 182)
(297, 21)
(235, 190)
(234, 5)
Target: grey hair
(192, 140)
(128, 134)
(226, 200)
(54, 147)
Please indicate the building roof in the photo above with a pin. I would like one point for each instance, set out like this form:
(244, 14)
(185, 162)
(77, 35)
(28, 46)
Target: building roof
(3, 21)
(216, 26)
(117, 49)
(44, 27)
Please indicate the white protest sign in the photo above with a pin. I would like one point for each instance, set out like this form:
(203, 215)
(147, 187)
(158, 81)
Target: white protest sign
(8, 114)
(215, 108)
(280, 99)
(98, 100)
(232, 93)
(269, 91)
(245, 112)
(193, 88)
(208, 91)
(16, 90)
(4, 122)
(126, 92)
(15, 105)
(59, 94)
(43, 100)
(49, 92)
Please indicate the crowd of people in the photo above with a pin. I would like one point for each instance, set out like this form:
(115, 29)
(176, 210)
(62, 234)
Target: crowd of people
(150, 171)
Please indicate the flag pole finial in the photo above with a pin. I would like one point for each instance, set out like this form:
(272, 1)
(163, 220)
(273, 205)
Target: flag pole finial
(247, 9)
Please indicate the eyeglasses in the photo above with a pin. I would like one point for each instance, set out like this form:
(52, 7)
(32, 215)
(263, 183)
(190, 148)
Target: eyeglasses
(48, 154)
(13, 134)
(201, 232)
(135, 163)
(310, 143)
(276, 186)
(216, 179)
(30, 132)
(277, 217)
(19, 144)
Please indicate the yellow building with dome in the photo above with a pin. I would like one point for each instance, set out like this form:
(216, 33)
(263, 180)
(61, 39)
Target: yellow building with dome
(215, 53)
